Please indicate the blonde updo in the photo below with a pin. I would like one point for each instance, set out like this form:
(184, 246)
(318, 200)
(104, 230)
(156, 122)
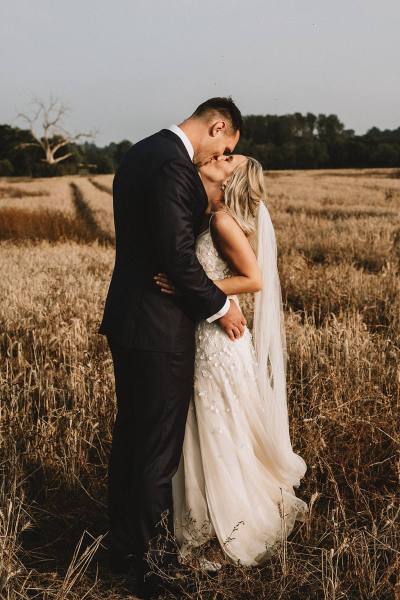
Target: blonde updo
(244, 191)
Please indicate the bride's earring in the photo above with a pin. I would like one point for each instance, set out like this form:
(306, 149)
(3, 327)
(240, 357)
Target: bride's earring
(225, 183)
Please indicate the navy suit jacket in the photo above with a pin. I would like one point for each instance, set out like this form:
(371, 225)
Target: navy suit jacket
(159, 202)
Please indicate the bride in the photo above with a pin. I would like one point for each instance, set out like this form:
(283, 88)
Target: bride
(238, 469)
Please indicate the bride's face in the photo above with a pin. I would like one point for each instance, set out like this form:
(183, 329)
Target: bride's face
(217, 170)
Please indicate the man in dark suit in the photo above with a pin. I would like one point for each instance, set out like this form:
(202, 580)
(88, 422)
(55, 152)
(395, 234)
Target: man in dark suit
(159, 202)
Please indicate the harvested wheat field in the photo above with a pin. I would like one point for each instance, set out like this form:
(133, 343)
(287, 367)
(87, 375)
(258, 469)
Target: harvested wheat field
(338, 235)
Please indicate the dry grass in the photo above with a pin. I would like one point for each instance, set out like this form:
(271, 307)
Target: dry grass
(101, 185)
(97, 221)
(340, 282)
(62, 208)
(100, 204)
(41, 194)
(13, 191)
(105, 180)
(20, 225)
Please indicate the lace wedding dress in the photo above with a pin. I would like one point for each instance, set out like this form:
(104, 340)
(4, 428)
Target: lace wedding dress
(226, 484)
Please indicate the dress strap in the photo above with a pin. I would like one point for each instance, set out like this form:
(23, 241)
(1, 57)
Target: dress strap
(211, 216)
(209, 222)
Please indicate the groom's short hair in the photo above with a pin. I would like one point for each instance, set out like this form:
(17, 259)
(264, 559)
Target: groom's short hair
(225, 107)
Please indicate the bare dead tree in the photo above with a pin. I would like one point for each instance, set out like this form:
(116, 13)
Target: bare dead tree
(53, 137)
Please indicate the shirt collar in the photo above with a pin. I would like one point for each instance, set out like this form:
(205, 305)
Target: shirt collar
(180, 133)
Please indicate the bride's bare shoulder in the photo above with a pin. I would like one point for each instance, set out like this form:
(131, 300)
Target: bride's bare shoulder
(225, 226)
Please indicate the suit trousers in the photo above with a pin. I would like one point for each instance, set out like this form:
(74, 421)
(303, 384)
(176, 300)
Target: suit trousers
(153, 391)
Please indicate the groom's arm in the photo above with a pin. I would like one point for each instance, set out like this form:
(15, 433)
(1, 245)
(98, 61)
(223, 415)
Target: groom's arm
(174, 200)
(220, 313)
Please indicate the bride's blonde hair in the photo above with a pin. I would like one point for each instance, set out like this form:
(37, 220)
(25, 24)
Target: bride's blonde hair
(244, 191)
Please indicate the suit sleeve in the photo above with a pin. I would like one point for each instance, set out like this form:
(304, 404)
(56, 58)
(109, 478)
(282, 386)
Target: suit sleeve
(174, 201)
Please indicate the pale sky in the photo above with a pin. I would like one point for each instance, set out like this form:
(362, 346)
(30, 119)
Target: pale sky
(130, 67)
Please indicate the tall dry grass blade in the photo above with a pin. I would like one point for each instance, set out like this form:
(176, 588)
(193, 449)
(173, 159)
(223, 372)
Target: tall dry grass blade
(78, 566)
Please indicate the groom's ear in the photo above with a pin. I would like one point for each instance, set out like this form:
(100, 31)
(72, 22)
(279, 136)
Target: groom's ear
(217, 128)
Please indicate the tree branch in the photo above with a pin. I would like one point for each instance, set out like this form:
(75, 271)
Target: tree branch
(51, 116)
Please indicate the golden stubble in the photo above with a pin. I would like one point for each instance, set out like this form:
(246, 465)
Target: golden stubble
(338, 238)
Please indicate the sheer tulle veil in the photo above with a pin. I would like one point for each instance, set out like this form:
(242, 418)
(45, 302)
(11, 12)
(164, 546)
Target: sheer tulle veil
(271, 351)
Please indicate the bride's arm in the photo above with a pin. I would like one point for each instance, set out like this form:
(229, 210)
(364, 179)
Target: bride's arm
(234, 246)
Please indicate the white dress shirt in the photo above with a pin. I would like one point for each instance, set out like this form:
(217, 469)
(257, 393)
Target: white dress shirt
(189, 147)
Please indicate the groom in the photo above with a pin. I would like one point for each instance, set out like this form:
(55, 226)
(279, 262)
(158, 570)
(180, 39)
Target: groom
(159, 202)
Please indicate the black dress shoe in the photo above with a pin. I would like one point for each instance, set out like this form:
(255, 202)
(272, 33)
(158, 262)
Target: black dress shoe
(149, 585)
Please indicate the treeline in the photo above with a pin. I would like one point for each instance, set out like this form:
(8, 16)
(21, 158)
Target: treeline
(293, 141)
(20, 160)
(310, 142)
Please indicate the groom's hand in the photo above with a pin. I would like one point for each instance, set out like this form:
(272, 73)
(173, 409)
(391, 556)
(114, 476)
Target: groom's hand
(233, 322)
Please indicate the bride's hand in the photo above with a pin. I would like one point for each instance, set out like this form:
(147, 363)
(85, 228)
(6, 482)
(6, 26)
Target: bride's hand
(165, 284)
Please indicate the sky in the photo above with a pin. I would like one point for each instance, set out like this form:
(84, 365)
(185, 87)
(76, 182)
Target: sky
(128, 68)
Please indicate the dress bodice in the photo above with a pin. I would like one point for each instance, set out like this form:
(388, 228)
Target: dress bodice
(212, 262)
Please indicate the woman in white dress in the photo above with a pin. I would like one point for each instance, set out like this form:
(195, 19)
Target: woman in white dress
(238, 469)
